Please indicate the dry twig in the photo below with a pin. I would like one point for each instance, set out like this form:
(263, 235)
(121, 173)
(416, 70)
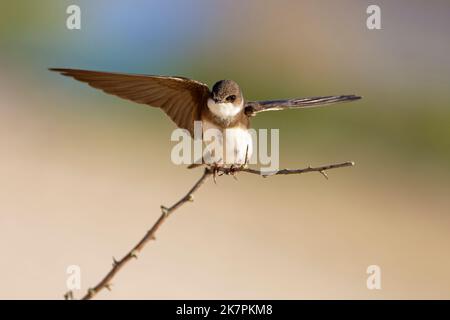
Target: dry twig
(117, 265)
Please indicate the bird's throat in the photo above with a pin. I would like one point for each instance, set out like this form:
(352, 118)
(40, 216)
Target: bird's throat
(224, 110)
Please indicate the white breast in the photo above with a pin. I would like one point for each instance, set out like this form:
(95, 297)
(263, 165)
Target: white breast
(236, 144)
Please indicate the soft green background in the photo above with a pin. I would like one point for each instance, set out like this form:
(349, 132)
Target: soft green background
(76, 162)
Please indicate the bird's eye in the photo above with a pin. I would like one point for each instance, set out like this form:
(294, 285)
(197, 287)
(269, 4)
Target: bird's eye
(231, 98)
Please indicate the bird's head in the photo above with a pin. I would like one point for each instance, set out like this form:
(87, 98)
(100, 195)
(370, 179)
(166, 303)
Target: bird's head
(226, 99)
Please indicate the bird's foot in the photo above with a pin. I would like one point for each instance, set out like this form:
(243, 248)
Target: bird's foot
(215, 169)
(235, 168)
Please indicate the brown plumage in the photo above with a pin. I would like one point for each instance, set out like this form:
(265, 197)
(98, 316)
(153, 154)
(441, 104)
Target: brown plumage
(178, 97)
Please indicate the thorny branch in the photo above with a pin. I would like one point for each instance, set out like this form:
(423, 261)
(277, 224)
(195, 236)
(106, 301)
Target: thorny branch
(117, 265)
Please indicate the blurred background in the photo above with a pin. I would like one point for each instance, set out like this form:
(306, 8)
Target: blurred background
(82, 174)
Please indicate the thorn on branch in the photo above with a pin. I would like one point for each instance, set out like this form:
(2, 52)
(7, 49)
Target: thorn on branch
(324, 173)
(108, 286)
(165, 211)
(115, 262)
(134, 254)
(190, 198)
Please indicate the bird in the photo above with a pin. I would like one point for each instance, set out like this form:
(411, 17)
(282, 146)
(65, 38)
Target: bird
(186, 101)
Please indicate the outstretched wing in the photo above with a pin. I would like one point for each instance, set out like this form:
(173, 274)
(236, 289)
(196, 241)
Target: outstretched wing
(180, 98)
(254, 107)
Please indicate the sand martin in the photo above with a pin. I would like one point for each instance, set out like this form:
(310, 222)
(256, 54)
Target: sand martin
(186, 101)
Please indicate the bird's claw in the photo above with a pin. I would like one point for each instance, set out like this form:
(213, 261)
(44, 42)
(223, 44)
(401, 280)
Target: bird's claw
(218, 171)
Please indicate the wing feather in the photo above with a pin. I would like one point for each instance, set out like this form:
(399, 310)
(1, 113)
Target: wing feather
(254, 107)
(180, 98)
